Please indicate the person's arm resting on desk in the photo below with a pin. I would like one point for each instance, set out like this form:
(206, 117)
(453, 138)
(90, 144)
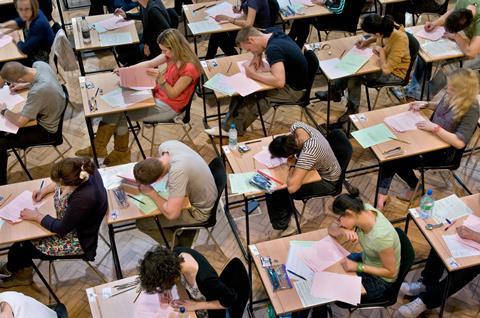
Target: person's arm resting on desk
(275, 78)
(470, 48)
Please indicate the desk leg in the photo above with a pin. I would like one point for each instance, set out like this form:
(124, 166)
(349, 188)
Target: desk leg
(219, 116)
(44, 281)
(157, 221)
(91, 135)
(116, 260)
(250, 276)
(80, 63)
(407, 221)
(134, 135)
(195, 44)
(261, 118)
(233, 226)
(329, 88)
(426, 77)
(445, 294)
(247, 222)
(292, 204)
(377, 186)
(60, 13)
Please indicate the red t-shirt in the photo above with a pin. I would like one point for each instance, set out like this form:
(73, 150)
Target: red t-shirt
(172, 74)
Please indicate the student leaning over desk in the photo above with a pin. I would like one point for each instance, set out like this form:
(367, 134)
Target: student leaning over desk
(430, 286)
(394, 58)
(172, 93)
(454, 121)
(80, 201)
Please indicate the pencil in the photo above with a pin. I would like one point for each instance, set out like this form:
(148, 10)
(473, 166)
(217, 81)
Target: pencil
(229, 66)
(341, 55)
(209, 6)
(254, 165)
(41, 184)
(295, 274)
(199, 8)
(132, 197)
(136, 297)
(123, 291)
(96, 93)
(401, 140)
(269, 177)
(252, 142)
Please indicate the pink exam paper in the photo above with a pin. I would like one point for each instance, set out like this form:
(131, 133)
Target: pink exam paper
(470, 243)
(11, 211)
(472, 222)
(346, 288)
(148, 306)
(115, 22)
(5, 39)
(324, 254)
(432, 36)
(265, 158)
(136, 78)
(265, 67)
(242, 84)
(9, 98)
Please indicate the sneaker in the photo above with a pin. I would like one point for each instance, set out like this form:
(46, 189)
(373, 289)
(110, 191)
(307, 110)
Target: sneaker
(397, 91)
(4, 272)
(291, 228)
(413, 288)
(412, 309)
(323, 96)
(215, 131)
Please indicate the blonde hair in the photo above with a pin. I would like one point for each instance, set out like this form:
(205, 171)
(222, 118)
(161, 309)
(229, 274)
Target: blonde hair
(33, 4)
(173, 40)
(464, 83)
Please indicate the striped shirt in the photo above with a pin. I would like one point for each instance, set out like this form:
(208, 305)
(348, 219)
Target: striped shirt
(316, 154)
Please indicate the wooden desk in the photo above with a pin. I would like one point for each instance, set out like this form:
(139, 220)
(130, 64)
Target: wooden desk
(121, 306)
(25, 230)
(420, 141)
(107, 82)
(10, 52)
(95, 43)
(287, 300)
(307, 12)
(335, 49)
(3, 2)
(435, 239)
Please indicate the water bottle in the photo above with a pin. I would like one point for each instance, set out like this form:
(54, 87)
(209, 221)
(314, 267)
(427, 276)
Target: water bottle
(85, 31)
(232, 137)
(426, 205)
(271, 312)
(182, 313)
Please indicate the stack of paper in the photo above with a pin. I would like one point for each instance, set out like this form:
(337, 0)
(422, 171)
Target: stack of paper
(5, 39)
(11, 211)
(451, 208)
(329, 68)
(148, 306)
(205, 26)
(114, 22)
(458, 248)
(113, 39)
(435, 35)
(295, 262)
(341, 287)
(373, 135)
(112, 177)
(223, 8)
(354, 59)
(265, 158)
(442, 47)
(323, 254)
(219, 83)
(121, 97)
(242, 84)
(146, 205)
(404, 121)
(303, 288)
(136, 78)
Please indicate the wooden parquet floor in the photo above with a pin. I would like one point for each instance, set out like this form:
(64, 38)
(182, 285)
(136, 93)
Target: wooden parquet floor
(75, 277)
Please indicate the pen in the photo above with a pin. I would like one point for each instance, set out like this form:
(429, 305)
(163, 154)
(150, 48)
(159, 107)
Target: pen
(123, 291)
(401, 140)
(295, 274)
(136, 297)
(269, 177)
(209, 6)
(341, 55)
(252, 142)
(41, 184)
(96, 93)
(199, 8)
(229, 66)
(449, 225)
(448, 221)
(393, 149)
(132, 197)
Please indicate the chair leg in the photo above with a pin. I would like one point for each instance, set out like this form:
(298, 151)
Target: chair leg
(104, 240)
(376, 97)
(96, 271)
(187, 134)
(473, 149)
(152, 143)
(24, 167)
(413, 195)
(368, 98)
(210, 235)
(272, 120)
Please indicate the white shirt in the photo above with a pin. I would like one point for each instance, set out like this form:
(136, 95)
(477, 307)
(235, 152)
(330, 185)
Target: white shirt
(26, 307)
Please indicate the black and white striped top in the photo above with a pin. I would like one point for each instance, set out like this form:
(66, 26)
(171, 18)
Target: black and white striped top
(316, 154)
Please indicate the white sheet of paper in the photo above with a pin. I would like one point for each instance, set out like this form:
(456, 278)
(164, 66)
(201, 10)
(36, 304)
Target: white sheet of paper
(303, 288)
(328, 68)
(111, 177)
(457, 248)
(121, 97)
(441, 47)
(7, 126)
(8, 98)
(264, 157)
(112, 39)
(432, 36)
(295, 263)
(346, 288)
(223, 8)
(5, 39)
(472, 222)
(114, 22)
(451, 207)
(243, 85)
(206, 26)
(404, 121)
(11, 211)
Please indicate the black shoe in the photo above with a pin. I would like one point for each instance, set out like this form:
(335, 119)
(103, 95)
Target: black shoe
(323, 96)
(346, 115)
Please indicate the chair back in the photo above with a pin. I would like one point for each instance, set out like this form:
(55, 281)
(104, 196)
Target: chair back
(62, 53)
(188, 107)
(453, 164)
(235, 276)
(220, 176)
(413, 47)
(342, 148)
(312, 68)
(59, 133)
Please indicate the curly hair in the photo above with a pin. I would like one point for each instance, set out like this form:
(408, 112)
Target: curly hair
(159, 270)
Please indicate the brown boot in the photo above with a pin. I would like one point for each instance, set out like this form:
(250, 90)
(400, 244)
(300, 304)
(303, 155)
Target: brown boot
(121, 152)
(23, 277)
(104, 133)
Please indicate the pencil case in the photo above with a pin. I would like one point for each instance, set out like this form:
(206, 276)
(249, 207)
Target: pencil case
(261, 182)
(278, 277)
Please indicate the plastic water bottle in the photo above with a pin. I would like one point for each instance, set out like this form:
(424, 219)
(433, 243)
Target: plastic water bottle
(271, 312)
(426, 205)
(85, 31)
(232, 137)
(182, 313)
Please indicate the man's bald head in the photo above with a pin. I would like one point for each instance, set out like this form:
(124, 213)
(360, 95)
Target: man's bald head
(13, 71)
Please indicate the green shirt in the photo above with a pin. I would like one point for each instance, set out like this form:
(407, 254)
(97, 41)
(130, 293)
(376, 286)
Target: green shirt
(474, 28)
(380, 237)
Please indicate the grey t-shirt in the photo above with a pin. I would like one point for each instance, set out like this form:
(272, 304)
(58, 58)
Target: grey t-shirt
(45, 100)
(189, 175)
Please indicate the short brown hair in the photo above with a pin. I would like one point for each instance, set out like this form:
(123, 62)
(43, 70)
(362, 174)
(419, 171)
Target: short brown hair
(148, 171)
(12, 71)
(71, 171)
(33, 4)
(245, 33)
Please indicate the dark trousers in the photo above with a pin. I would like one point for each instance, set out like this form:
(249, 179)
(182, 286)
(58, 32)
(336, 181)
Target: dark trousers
(398, 10)
(225, 41)
(432, 274)
(25, 137)
(179, 4)
(280, 208)
(20, 255)
(317, 312)
(96, 7)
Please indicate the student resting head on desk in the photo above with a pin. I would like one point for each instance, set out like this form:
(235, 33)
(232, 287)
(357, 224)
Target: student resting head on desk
(379, 262)
(255, 13)
(464, 17)
(394, 58)
(36, 29)
(45, 103)
(287, 77)
(80, 202)
(172, 93)
(161, 269)
(188, 175)
(454, 121)
(306, 149)
(430, 286)
(18, 305)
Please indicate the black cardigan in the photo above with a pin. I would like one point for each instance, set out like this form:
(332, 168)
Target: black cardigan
(87, 206)
(209, 283)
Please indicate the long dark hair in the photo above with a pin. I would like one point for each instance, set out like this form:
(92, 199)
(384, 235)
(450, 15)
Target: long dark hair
(283, 146)
(374, 23)
(72, 171)
(348, 201)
